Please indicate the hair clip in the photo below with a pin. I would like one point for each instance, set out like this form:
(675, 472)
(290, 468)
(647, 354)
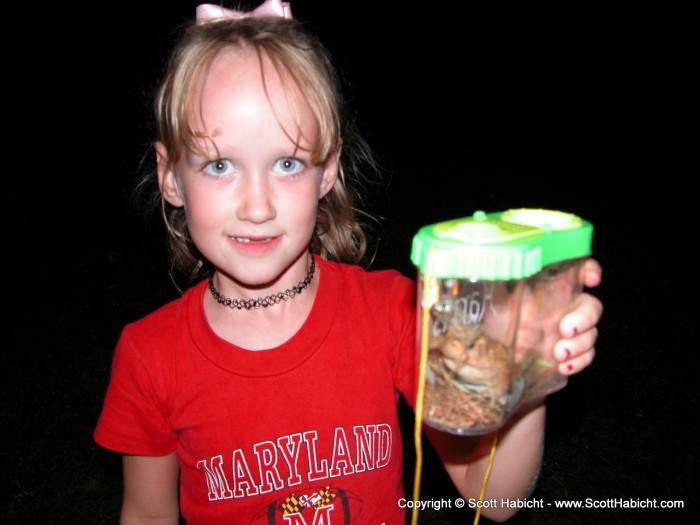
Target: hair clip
(206, 13)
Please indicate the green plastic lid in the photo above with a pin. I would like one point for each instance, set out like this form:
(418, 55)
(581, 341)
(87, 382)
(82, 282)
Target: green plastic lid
(506, 245)
(564, 236)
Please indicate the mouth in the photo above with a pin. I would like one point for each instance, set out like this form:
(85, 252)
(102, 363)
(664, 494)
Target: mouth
(255, 245)
(252, 240)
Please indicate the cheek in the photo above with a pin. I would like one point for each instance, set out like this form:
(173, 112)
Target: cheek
(203, 210)
(311, 216)
(302, 208)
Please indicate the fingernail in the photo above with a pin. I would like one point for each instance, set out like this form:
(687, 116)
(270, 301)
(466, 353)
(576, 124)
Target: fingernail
(575, 330)
(569, 367)
(563, 354)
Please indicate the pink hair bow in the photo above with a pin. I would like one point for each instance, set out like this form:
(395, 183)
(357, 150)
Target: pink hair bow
(211, 13)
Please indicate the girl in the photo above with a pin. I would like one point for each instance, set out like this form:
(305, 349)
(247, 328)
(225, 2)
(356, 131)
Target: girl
(268, 392)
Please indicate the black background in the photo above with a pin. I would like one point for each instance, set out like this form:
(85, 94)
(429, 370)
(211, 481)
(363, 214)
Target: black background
(581, 108)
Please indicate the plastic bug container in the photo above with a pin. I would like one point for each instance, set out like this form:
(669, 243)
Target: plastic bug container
(491, 287)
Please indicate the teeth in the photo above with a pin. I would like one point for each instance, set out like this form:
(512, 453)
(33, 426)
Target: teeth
(246, 240)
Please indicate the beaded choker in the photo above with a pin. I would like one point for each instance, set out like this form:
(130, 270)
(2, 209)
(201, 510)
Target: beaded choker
(263, 302)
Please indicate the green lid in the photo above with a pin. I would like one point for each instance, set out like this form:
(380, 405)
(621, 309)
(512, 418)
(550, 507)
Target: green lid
(507, 245)
(565, 235)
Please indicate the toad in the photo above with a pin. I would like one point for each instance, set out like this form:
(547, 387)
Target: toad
(475, 361)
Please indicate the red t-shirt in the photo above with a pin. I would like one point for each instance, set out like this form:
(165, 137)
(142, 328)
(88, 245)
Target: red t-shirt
(303, 433)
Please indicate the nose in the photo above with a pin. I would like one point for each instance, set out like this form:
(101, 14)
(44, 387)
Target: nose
(255, 199)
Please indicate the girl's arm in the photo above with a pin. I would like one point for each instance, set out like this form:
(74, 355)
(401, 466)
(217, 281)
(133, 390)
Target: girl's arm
(515, 466)
(151, 490)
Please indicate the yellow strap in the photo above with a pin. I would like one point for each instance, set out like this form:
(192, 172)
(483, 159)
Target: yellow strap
(494, 444)
(418, 428)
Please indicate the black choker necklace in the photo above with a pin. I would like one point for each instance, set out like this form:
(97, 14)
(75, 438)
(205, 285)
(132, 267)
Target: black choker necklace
(263, 302)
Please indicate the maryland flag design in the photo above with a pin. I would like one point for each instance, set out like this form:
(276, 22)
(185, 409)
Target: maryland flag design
(326, 496)
(292, 504)
(322, 504)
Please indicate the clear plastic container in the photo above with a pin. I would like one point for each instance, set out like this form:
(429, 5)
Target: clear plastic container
(549, 295)
(492, 289)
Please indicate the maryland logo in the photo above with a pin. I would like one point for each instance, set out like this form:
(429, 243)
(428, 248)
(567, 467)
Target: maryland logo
(321, 506)
(316, 500)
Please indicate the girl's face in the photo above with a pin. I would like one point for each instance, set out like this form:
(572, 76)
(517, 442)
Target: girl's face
(251, 198)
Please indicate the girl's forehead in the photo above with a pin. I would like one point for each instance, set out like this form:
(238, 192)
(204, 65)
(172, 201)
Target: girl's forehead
(242, 75)
(236, 68)
(243, 89)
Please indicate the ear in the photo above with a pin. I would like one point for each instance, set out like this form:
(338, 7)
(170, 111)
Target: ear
(167, 180)
(330, 172)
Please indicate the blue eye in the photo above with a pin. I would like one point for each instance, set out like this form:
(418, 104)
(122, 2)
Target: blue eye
(288, 166)
(220, 167)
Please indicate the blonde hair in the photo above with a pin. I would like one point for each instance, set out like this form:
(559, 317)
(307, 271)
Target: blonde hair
(340, 226)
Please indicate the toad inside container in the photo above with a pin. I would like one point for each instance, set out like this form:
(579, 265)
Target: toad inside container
(475, 275)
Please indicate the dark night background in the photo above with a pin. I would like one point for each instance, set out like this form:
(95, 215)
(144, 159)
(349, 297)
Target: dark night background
(581, 108)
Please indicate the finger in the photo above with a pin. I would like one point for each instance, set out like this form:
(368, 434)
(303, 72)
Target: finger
(567, 350)
(577, 364)
(587, 313)
(591, 273)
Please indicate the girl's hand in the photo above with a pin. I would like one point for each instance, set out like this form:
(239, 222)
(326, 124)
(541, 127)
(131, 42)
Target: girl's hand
(576, 350)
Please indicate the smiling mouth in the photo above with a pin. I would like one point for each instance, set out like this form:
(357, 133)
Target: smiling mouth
(249, 240)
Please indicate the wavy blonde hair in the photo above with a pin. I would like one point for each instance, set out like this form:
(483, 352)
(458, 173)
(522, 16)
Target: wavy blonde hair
(340, 232)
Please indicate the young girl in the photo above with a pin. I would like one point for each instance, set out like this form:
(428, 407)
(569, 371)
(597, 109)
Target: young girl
(268, 392)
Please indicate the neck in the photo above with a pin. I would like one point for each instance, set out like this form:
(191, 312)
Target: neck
(263, 327)
(263, 302)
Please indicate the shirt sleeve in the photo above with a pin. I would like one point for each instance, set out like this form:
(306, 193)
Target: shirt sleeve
(405, 350)
(135, 417)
